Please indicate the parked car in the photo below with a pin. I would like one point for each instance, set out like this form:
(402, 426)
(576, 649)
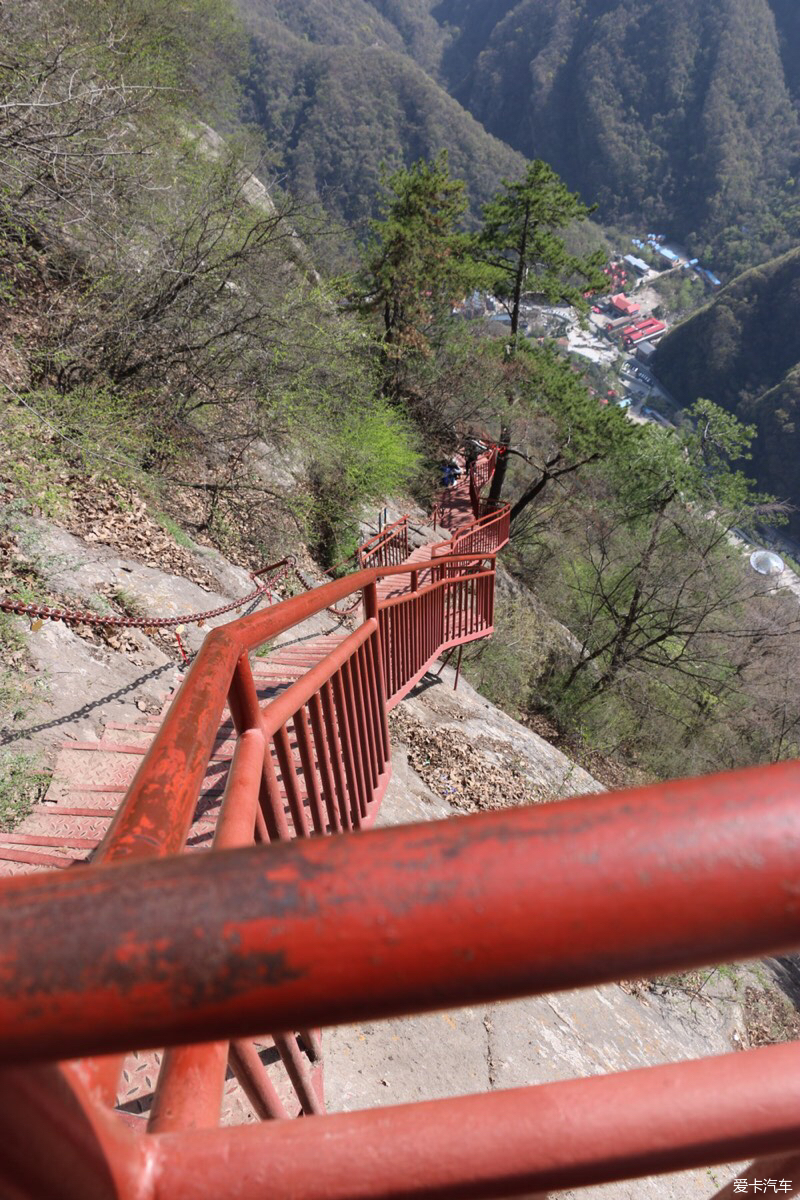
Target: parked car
(625, 402)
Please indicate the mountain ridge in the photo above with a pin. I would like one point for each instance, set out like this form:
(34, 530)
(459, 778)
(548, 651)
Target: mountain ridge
(665, 112)
(741, 351)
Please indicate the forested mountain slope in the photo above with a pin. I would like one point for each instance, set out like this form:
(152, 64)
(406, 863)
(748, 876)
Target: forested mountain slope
(743, 352)
(676, 112)
(671, 113)
(338, 96)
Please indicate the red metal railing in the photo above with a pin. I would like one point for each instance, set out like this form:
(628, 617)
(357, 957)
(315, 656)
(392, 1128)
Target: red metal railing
(313, 761)
(323, 930)
(415, 629)
(202, 952)
(485, 535)
(480, 472)
(389, 548)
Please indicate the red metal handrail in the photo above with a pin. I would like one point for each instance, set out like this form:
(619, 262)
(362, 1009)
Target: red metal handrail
(546, 894)
(165, 948)
(157, 812)
(388, 548)
(488, 533)
(553, 896)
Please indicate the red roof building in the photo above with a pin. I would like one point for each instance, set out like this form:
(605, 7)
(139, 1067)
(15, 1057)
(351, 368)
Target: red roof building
(624, 305)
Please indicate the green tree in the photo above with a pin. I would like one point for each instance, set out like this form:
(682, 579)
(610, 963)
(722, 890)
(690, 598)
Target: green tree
(714, 443)
(415, 264)
(571, 429)
(658, 588)
(522, 245)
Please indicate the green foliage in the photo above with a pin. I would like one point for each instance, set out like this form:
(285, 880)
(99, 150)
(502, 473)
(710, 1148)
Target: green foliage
(682, 661)
(129, 602)
(174, 530)
(364, 455)
(522, 245)
(416, 264)
(13, 699)
(505, 667)
(552, 382)
(682, 293)
(741, 351)
(188, 50)
(338, 98)
(677, 116)
(714, 441)
(178, 319)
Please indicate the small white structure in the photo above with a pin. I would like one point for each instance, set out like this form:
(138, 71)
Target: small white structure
(766, 562)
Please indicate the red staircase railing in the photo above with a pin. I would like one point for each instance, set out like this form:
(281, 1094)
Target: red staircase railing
(480, 472)
(388, 548)
(202, 952)
(486, 533)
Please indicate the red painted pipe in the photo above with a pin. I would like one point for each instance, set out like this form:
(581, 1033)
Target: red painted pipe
(255, 1082)
(57, 1145)
(400, 920)
(190, 1085)
(191, 1080)
(556, 1136)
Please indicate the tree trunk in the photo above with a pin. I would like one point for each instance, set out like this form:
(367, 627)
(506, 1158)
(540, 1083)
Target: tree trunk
(547, 474)
(519, 278)
(501, 464)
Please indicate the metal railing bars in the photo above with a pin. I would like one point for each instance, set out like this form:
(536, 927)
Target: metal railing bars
(388, 548)
(268, 951)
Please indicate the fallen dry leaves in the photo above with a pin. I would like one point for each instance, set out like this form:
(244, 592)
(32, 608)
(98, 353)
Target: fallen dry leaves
(454, 769)
(116, 516)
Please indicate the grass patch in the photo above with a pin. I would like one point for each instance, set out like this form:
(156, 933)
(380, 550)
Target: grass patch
(12, 658)
(174, 530)
(129, 602)
(22, 783)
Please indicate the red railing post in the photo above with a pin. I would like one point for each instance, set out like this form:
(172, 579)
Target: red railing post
(256, 1084)
(371, 610)
(246, 714)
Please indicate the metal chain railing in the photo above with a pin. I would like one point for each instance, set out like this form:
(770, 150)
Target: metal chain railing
(309, 585)
(78, 616)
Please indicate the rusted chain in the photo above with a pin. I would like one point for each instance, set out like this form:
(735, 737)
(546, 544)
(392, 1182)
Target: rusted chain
(336, 612)
(70, 616)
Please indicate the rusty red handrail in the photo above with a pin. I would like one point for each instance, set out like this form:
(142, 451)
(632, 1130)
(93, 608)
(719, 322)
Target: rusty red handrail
(269, 948)
(545, 892)
(488, 533)
(315, 930)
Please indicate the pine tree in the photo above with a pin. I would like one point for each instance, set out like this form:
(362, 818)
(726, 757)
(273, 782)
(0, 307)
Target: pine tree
(521, 242)
(416, 263)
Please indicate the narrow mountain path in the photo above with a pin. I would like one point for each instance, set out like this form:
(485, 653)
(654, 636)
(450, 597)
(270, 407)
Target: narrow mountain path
(91, 777)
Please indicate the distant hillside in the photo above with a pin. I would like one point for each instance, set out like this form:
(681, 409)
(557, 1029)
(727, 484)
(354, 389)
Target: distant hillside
(668, 113)
(674, 112)
(743, 351)
(337, 95)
